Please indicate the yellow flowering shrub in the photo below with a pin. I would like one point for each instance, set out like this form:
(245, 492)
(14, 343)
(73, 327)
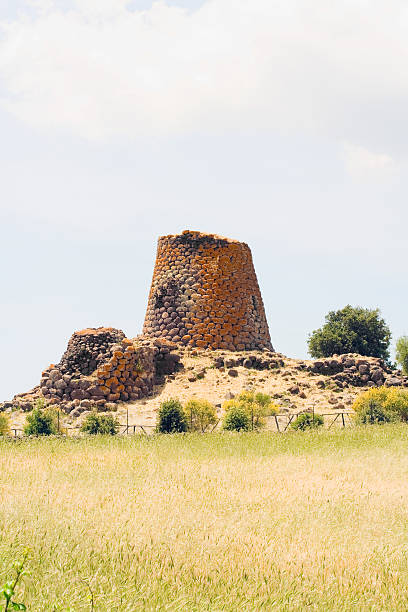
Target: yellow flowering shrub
(392, 401)
(250, 406)
(200, 414)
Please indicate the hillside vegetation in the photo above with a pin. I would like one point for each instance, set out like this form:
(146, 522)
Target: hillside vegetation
(314, 520)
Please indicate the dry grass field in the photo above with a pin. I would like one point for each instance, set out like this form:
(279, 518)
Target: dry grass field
(315, 521)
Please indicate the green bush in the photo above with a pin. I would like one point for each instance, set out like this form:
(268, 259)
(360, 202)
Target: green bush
(256, 406)
(41, 422)
(171, 417)
(236, 417)
(200, 414)
(104, 424)
(373, 413)
(351, 330)
(4, 425)
(392, 401)
(401, 354)
(307, 420)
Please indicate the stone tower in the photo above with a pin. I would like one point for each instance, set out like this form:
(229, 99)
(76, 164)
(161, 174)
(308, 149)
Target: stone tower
(205, 293)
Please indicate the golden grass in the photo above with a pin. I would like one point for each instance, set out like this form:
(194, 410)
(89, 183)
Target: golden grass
(231, 522)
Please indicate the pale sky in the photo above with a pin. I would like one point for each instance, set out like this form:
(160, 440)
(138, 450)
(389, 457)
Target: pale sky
(281, 123)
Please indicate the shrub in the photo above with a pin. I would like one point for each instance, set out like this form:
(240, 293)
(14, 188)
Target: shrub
(393, 402)
(40, 422)
(402, 353)
(4, 425)
(351, 330)
(236, 417)
(373, 413)
(104, 424)
(307, 420)
(200, 414)
(256, 406)
(171, 417)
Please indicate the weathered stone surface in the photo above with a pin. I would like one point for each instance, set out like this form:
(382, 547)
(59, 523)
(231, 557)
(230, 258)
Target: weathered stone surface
(394, 381)
(233, 373)
(87, 349)
(205, 293)
(60, 384)
(79, 394)
(54, 374)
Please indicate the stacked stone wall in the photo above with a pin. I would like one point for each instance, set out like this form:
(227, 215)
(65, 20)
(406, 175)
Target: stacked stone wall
(100, 366)
(205, 294)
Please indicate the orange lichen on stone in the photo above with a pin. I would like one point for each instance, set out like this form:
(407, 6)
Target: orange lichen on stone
(94, 331)
(205, 293)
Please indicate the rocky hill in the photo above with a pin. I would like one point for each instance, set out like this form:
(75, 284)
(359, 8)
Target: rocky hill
(174, 371)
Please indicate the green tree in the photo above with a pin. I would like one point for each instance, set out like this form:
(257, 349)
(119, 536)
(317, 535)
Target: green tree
(351, 330)
(200, 414)
(171, 417)
(401, 355)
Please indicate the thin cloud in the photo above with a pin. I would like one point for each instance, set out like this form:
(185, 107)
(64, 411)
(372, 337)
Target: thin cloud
(362, 163)
(102, 70)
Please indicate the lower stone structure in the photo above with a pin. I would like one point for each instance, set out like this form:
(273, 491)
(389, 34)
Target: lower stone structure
(100, 365)
(100, 368)
(88, 349)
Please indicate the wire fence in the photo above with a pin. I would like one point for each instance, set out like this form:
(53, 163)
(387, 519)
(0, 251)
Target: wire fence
(282, 422)
(278, 423)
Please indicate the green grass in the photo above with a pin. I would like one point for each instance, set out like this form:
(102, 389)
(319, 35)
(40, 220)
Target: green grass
(310, 520)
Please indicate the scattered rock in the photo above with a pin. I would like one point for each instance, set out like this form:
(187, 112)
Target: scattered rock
(357, 371)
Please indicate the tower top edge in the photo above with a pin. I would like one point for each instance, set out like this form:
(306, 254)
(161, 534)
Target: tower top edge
(193, 235)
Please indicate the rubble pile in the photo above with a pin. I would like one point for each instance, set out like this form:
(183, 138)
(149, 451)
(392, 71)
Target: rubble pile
(262, 360)
(358, 371)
